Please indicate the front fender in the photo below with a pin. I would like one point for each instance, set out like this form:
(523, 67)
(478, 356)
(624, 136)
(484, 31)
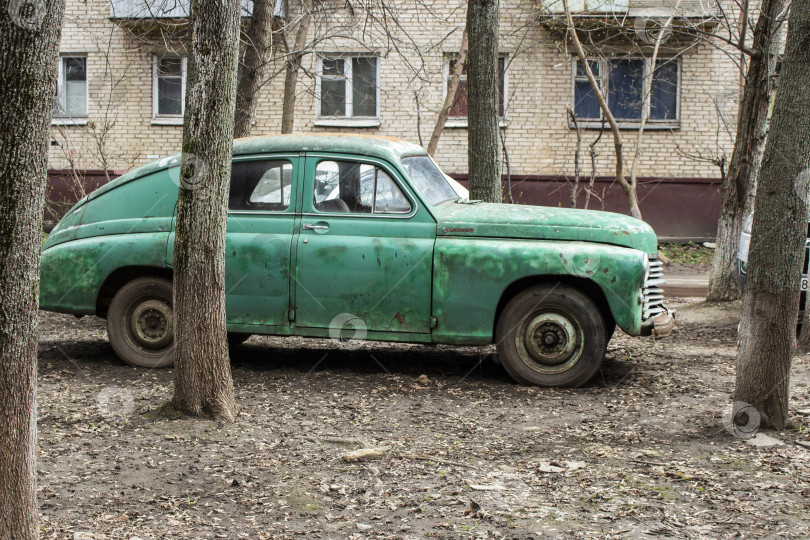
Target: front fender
(471, 275)
(73, 272)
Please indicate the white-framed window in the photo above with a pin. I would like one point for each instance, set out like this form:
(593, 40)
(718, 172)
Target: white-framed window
(348, 90)
(625, 80)
(168, 88)
(71, 88)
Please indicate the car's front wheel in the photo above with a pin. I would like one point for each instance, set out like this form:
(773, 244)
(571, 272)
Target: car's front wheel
(140, 323)
(551, 335)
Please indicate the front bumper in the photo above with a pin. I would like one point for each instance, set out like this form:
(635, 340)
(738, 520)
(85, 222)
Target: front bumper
(659, 326)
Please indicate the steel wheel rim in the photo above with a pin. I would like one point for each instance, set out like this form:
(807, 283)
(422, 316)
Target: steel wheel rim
(150, 325)
(550, 341)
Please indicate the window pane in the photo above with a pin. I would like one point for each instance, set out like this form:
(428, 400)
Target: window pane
(585, 104)
(333, 67)
(170, 66)
(626, 78)
(333, 97)
(664, 94)
(459, 107)
(75, 69)
(389, 199)
(343, 187)
(75, 98)
(260, 185)
(364, 87)
(594, 68)
(429, 180)
(170, 95)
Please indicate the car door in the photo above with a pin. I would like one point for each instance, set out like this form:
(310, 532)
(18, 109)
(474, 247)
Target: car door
(261, 223)
(364, 253)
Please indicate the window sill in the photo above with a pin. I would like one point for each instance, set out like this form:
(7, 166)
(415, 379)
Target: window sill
(456, 123)
(68, 121)
(178, 121)
(649, 126)
(348, 122)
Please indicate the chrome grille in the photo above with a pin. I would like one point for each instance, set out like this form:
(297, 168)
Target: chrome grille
(652, 293)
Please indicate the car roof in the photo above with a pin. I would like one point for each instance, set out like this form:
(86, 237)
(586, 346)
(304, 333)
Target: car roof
(364, 145)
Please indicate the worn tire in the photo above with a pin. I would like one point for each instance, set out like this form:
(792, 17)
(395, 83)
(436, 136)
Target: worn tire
(551, 335)
(140, 323)
(237, 338)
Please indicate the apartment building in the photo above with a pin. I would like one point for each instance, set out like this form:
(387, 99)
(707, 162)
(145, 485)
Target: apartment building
(383, 69)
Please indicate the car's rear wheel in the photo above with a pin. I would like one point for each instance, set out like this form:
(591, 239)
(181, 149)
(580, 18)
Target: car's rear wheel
(140, 323)
(551, 335)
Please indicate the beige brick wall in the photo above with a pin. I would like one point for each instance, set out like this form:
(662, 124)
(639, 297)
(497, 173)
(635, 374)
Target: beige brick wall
(120, 132)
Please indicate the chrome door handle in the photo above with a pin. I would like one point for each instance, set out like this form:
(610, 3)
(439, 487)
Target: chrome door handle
(309, 227)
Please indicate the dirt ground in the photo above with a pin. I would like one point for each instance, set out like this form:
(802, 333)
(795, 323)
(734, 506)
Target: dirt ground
(640, 452)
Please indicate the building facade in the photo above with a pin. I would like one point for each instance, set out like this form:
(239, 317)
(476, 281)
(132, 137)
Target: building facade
(383, 69)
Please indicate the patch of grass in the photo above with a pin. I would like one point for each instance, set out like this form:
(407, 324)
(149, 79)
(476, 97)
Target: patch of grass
(689, 254)
(166, 411)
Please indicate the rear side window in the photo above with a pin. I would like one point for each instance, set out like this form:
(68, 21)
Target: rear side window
(260, 185)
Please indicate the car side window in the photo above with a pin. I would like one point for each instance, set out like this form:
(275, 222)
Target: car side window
(356, 188)
(260, 185)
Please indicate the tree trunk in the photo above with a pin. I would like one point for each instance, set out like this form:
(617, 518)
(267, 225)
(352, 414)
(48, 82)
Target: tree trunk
(29, 43)
(771, 300)
(628, 188)
(293, 65)
(740, 184)
(203, 384)
(258, 41)
(449, 98)
(483, 150)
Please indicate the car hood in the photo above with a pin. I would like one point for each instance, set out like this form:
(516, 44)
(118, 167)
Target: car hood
(478, 219)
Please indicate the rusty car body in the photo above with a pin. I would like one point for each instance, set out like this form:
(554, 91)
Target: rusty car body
(329, 236)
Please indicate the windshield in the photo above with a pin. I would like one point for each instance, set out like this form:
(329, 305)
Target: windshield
(429, 180)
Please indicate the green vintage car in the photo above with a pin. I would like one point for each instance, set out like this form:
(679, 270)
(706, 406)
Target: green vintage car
(365, 238)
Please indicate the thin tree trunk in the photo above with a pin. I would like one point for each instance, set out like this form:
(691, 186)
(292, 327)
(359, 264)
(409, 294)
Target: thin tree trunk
(293, 65)
(483, 150)
(449, 98)
(645, 106)
(628, 188)
(258, 42)
(203, 383)
(771, 300)
(740, 184)
(592, 154)
(29, 43)
(575, 188)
